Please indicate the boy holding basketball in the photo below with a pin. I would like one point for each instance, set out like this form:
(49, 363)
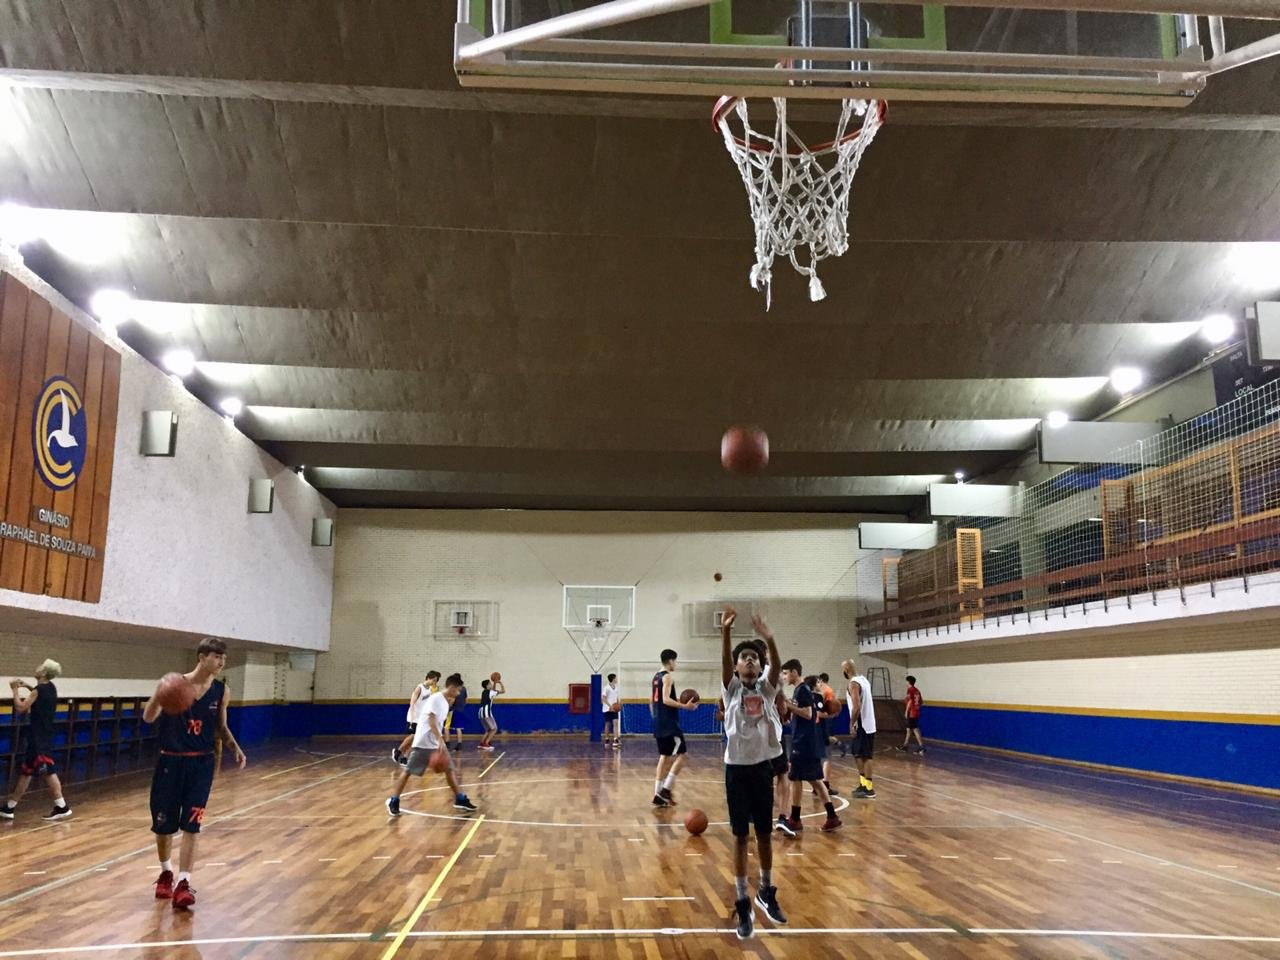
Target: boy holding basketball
(184, 770)
(807, 750)
(611, 704)
(430, 749)
(752, 757)
(42, 705)
(489, 689)
(672, 749)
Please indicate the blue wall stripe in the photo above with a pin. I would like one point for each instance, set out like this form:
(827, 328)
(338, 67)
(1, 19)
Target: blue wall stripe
(1230, 752)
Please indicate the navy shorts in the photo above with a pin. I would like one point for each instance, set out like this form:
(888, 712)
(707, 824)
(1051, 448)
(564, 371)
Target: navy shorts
(749, 792)
(179, 792)
(459, 721)
(37, 761)
(805, 769)
(672, 746)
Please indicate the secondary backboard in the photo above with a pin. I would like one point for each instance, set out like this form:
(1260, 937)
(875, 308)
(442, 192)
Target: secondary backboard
(835, 49)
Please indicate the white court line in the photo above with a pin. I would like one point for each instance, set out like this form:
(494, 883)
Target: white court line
(327, 860)
(487, 856)
(848, 854)
(1010, 858)
(302, 766)
(72, 877)
(1081, 836)
(35, 873)
(220, 863)
(266, 862)
(949, 856)
(1113, 861)
(898, 856)
(386, 857)
(1055, 860)
(626, 932)
(491, 766)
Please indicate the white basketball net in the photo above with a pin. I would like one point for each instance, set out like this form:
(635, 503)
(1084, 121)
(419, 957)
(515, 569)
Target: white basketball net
(799, 195)
(597, 642)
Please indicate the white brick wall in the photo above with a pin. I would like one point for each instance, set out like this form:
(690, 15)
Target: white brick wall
(392, 565)
(1231, 668)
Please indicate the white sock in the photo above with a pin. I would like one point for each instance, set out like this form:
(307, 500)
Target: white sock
(657, 786)
(60, 803)
(184, 875)
(670, 781)
(166, 865)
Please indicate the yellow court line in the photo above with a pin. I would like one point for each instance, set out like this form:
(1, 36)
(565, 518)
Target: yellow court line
(302, 766)
(422, 904)
(491, 766)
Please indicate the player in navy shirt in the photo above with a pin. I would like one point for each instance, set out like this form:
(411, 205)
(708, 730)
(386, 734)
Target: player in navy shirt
(807, 751)
(184, 770)
(672, 748)
(37, 759)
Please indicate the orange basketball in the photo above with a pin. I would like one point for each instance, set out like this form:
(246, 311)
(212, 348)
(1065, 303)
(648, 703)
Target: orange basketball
(690, 696)
(744, 450)
(495, 676)
(439, 761)
(175, 694)
(695, 821)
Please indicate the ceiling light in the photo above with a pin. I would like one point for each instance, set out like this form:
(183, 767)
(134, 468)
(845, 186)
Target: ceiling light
(1126, 379)
(1255, 266)
(1169, 333)
(111, 307)
(1055, 419)
(231, 406)
(959, 475)
(18, 224)
(179, 362)
(1218, 328)
(87, 238)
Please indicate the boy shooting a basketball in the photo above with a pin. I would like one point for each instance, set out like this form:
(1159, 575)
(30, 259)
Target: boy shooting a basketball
(423, 690)
(489, 689)
(611, 704)
(672, 749)
(41, 705)
(430, 750)
(752, 757)
(807, 752)
(184, 770)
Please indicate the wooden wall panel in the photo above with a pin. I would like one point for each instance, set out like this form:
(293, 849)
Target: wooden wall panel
(59, 393)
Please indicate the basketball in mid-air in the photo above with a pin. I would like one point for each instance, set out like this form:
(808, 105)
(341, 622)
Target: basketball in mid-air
(744, 450)
(690, 696)
(495, 676)
(175, 694)
(695, 821)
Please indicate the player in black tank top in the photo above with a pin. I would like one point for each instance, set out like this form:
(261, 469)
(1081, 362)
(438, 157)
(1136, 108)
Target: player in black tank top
(184, 769)
(672, 749)
(41, 704)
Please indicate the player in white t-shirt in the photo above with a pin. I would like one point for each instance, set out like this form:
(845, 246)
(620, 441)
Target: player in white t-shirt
(611, 704)
(429, 740)
(419, 696)
(752, 757)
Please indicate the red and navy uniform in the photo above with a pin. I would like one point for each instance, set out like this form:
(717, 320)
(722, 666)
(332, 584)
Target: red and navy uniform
(666, 722)
(184, 771)
(38, 758)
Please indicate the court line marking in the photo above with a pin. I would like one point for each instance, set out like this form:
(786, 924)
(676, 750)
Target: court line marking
(492, 765)
(647, 899)
(80, 874)
(358, 936)
(302, 766)
(1081, 836)
(435, 886)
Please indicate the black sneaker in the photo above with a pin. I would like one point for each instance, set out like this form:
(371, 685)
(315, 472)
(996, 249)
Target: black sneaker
(462, 803)
(7, 811)
(767, 900)
(393, 806)
(832, 790)
(862, 793)
(658, 801)
(665, 794)
(395, 755)
(746, 921)
(784, 826)
(57, 813)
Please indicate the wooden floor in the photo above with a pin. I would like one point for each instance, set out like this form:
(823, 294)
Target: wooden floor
(961, 855)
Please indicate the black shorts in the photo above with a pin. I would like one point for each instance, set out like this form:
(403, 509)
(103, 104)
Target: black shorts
(805, 769)
(864, 744)
(913, 723)
(37, 761)
(780, 764)
(749, 792)
(179, 792)
(672, 746)
(410, 728)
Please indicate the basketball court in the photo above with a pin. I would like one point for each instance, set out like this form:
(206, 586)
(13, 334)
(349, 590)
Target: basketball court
(384, 349)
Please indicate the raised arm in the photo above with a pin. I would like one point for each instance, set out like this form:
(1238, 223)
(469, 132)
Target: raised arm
(21, 707)
(500, 688)
(775, 661)
(228, 737)
(726, 645)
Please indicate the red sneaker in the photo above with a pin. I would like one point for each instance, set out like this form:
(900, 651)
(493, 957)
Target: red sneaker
(831, 823)
(183, 895)
(795, 825)
(164, 885)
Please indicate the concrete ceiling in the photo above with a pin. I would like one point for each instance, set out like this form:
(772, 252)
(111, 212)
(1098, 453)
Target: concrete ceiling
(437, 297)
